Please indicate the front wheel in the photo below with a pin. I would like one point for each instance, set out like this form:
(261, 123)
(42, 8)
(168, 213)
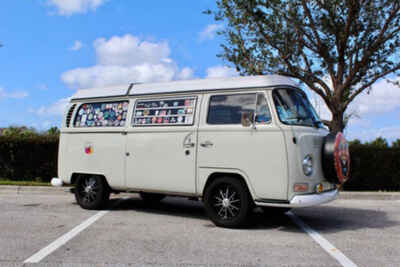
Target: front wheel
(228, 202)
(91, 192)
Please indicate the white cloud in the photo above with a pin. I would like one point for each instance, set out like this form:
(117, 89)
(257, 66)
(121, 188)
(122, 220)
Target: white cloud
(70, 7)
(209, 32)
(319, 106)
(384, 97)
(221, 71)
(185, 74)
(101, 75)
(128, 50)
(126, 59)
(77, 46)
(15, 95)
(55, 109)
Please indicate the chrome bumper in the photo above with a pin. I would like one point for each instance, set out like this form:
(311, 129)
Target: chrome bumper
(300, 201)
(56, 182)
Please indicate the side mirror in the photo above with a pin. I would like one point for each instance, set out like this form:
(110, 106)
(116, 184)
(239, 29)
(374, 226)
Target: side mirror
(247, 118)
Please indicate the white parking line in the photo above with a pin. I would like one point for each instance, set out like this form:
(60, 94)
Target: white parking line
(59, 242)
(328, 247)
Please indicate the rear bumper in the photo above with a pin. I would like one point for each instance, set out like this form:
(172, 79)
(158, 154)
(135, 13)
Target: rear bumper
(57, 182)
(300, 201)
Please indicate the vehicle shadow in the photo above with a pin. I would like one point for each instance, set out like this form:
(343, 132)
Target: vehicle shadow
(169, 206)
(332, 219)
(324, 219)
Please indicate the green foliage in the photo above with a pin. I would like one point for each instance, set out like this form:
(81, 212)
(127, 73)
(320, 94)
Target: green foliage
(28, 157)
(396, 143)
(374, 168)
(378, 143)
(22, 131)
(352, 43)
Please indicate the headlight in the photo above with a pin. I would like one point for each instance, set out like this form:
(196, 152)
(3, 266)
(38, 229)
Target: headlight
(307, 165)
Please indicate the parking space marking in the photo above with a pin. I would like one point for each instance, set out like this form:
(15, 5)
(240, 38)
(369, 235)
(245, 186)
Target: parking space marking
(328, 247)
(62, 240)
(44, 252)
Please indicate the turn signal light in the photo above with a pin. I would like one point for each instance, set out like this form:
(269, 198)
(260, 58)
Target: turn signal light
(319, 188)
(300, 187)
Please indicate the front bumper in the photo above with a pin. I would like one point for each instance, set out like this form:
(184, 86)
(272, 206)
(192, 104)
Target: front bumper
(300, 201)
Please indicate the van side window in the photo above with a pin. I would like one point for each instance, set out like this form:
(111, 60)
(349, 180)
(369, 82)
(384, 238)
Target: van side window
(228, 109)
(162, 112)
(263, 114)
(104, 114)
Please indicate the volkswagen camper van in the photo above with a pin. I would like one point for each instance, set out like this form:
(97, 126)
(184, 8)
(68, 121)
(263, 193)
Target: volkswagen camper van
(233, 143)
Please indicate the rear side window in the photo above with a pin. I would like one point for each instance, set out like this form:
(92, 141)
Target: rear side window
(104, 114)
(228, 109)
(165, 112)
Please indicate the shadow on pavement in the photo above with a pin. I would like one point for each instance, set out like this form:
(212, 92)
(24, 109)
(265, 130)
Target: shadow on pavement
(329, 219)
(325, 219)
(169, 206)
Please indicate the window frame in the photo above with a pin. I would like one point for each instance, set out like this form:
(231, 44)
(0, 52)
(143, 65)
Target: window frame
(76, 114)
(269, 109)
(296, 90)
(133, 117)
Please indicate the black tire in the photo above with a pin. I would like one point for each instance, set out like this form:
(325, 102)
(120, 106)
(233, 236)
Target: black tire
(91, 192)
(228, 202)
(151, 197)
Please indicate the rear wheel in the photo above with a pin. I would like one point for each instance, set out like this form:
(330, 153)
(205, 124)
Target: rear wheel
(151, 197)
(91, 191)
(228, 202)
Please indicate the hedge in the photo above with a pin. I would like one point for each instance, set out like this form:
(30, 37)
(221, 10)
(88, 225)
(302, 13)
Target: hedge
(374, 168)
(35, 158)
(27, 158)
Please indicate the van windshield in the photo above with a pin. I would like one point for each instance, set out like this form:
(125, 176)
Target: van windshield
(294, 108)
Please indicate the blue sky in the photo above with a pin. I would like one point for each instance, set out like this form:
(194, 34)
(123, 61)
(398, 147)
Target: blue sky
(52, 47)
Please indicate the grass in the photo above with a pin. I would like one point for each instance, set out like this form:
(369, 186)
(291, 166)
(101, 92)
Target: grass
(23, 183)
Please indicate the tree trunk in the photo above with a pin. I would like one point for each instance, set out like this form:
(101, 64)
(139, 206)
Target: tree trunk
(337, 123)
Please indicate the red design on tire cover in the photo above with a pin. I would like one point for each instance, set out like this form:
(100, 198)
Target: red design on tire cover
(342, 158)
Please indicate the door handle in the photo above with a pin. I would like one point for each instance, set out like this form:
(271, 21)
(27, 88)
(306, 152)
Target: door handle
(206, 144)
(189, 145)
(187, 141)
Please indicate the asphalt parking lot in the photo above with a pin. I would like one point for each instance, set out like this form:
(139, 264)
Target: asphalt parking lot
(45, 227)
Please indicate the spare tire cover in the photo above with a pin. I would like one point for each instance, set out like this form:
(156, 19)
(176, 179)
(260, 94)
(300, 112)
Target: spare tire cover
(336, 158)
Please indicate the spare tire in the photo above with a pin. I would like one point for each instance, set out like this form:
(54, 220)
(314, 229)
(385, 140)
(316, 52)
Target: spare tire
(336, 158)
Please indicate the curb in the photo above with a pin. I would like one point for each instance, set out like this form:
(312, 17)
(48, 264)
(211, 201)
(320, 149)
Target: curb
(18, 189)
(369, 195)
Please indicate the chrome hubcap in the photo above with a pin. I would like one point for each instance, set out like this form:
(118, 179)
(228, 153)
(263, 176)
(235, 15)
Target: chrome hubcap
(89, 189)
(226, 202)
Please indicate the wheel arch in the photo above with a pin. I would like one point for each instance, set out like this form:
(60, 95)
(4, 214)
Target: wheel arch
(236, 175)
(75, 175)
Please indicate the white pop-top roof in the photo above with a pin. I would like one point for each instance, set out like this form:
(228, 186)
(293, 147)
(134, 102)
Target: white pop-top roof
(187, 86)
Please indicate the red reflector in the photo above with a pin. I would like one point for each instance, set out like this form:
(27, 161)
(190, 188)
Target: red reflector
(300, 187)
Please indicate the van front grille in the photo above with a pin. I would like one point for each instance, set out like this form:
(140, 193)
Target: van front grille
(69, 115)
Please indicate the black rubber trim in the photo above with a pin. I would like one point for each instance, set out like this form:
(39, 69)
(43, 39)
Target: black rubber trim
(273, 201)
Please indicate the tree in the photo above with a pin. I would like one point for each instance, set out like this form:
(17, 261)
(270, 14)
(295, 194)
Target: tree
(338, 48)
(19, 131)
(396, 143)
(379, 142)
(53, 131)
